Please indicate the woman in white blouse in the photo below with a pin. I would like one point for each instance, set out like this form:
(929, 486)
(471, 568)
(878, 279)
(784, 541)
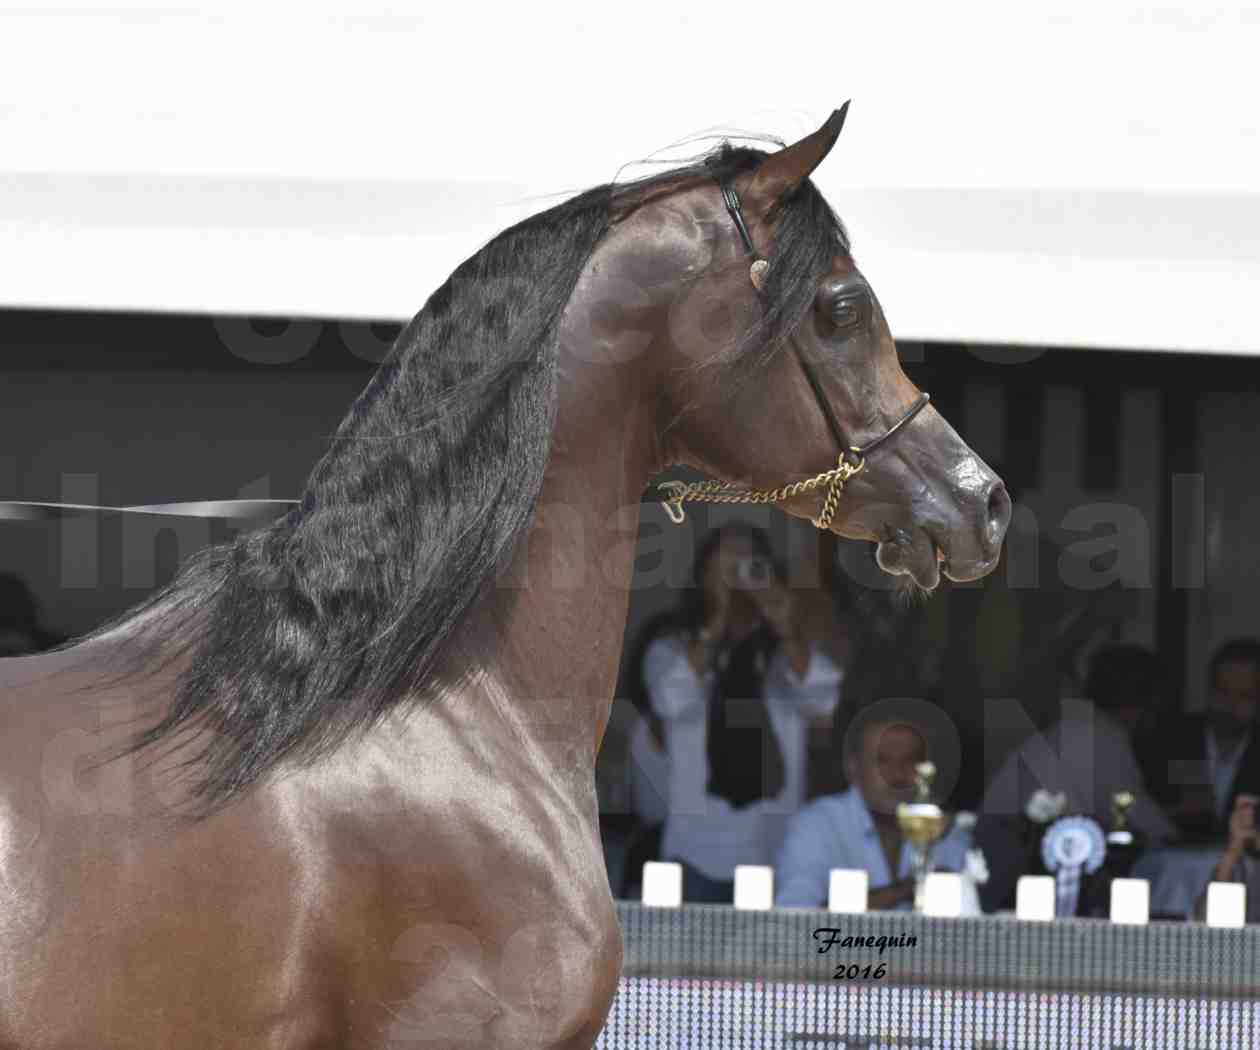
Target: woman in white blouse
(734, 683)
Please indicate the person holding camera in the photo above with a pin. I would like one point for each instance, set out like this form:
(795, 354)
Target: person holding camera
(733, 683)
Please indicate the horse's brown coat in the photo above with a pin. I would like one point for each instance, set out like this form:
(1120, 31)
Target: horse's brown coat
(439, 882)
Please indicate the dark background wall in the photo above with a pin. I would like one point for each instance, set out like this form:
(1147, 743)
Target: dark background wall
(1130, 471)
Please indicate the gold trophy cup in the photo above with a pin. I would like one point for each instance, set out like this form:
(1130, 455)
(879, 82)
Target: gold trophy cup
(922, 822)
(1120, 835)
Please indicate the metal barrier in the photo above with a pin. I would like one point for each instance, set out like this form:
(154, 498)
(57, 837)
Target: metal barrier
(712, 976)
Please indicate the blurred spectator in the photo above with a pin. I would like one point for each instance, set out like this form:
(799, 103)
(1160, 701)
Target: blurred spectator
(1088, 754)
(20, 630)
(857, 829)
(649, 774)
(1196, 765)
(732, 681)
(1240, 862)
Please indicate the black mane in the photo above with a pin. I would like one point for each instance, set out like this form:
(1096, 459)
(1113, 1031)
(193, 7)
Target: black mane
(315, 627)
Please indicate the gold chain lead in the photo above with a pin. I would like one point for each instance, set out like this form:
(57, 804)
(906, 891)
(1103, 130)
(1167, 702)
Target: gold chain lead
(726, 492)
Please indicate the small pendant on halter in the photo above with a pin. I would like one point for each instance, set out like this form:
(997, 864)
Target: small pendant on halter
(757, 273)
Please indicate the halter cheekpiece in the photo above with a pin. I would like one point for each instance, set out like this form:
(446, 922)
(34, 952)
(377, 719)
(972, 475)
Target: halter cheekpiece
(834, 479)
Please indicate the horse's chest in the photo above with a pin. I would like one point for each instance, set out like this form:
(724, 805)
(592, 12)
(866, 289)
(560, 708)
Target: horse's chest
(484, 916)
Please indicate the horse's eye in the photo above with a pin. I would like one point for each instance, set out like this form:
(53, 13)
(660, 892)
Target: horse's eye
(846, 312)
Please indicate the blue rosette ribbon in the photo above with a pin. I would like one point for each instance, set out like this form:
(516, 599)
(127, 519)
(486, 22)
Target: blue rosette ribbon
(1072, 846)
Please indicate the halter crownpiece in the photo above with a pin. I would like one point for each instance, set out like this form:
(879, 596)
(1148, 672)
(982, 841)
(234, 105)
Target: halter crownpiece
(834, 479)
(757, 271)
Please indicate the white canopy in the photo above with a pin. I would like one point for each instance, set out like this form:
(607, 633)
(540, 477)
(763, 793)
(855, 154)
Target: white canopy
(1081, 173)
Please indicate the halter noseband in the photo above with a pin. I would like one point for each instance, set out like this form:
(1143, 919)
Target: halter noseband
(834, 479)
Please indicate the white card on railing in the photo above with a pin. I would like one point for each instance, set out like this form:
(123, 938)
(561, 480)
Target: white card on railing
(847, 890)
(942, 894)
(754, 887)
(1226, 904)
(662, 884)
(1130, 901)
(1034, 898)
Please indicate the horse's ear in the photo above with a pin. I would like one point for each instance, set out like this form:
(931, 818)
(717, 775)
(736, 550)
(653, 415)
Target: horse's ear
(780, 173)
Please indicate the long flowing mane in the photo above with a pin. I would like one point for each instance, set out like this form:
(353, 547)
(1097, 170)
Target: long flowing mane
(316, 626)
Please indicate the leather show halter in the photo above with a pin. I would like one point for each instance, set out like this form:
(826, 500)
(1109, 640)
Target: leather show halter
(834, 479)
(675, 492)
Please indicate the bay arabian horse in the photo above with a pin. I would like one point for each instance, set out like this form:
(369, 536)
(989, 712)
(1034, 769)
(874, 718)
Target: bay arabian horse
(333, 787)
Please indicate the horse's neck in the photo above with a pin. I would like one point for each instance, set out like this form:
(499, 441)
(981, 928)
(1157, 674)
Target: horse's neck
(561, 614)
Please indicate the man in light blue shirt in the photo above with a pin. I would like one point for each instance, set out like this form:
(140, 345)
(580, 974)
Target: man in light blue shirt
(858, 828)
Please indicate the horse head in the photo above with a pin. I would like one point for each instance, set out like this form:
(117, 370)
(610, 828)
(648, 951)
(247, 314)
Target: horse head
(782, 368)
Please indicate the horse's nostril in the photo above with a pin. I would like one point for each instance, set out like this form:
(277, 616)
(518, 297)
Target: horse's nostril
(999, 509)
